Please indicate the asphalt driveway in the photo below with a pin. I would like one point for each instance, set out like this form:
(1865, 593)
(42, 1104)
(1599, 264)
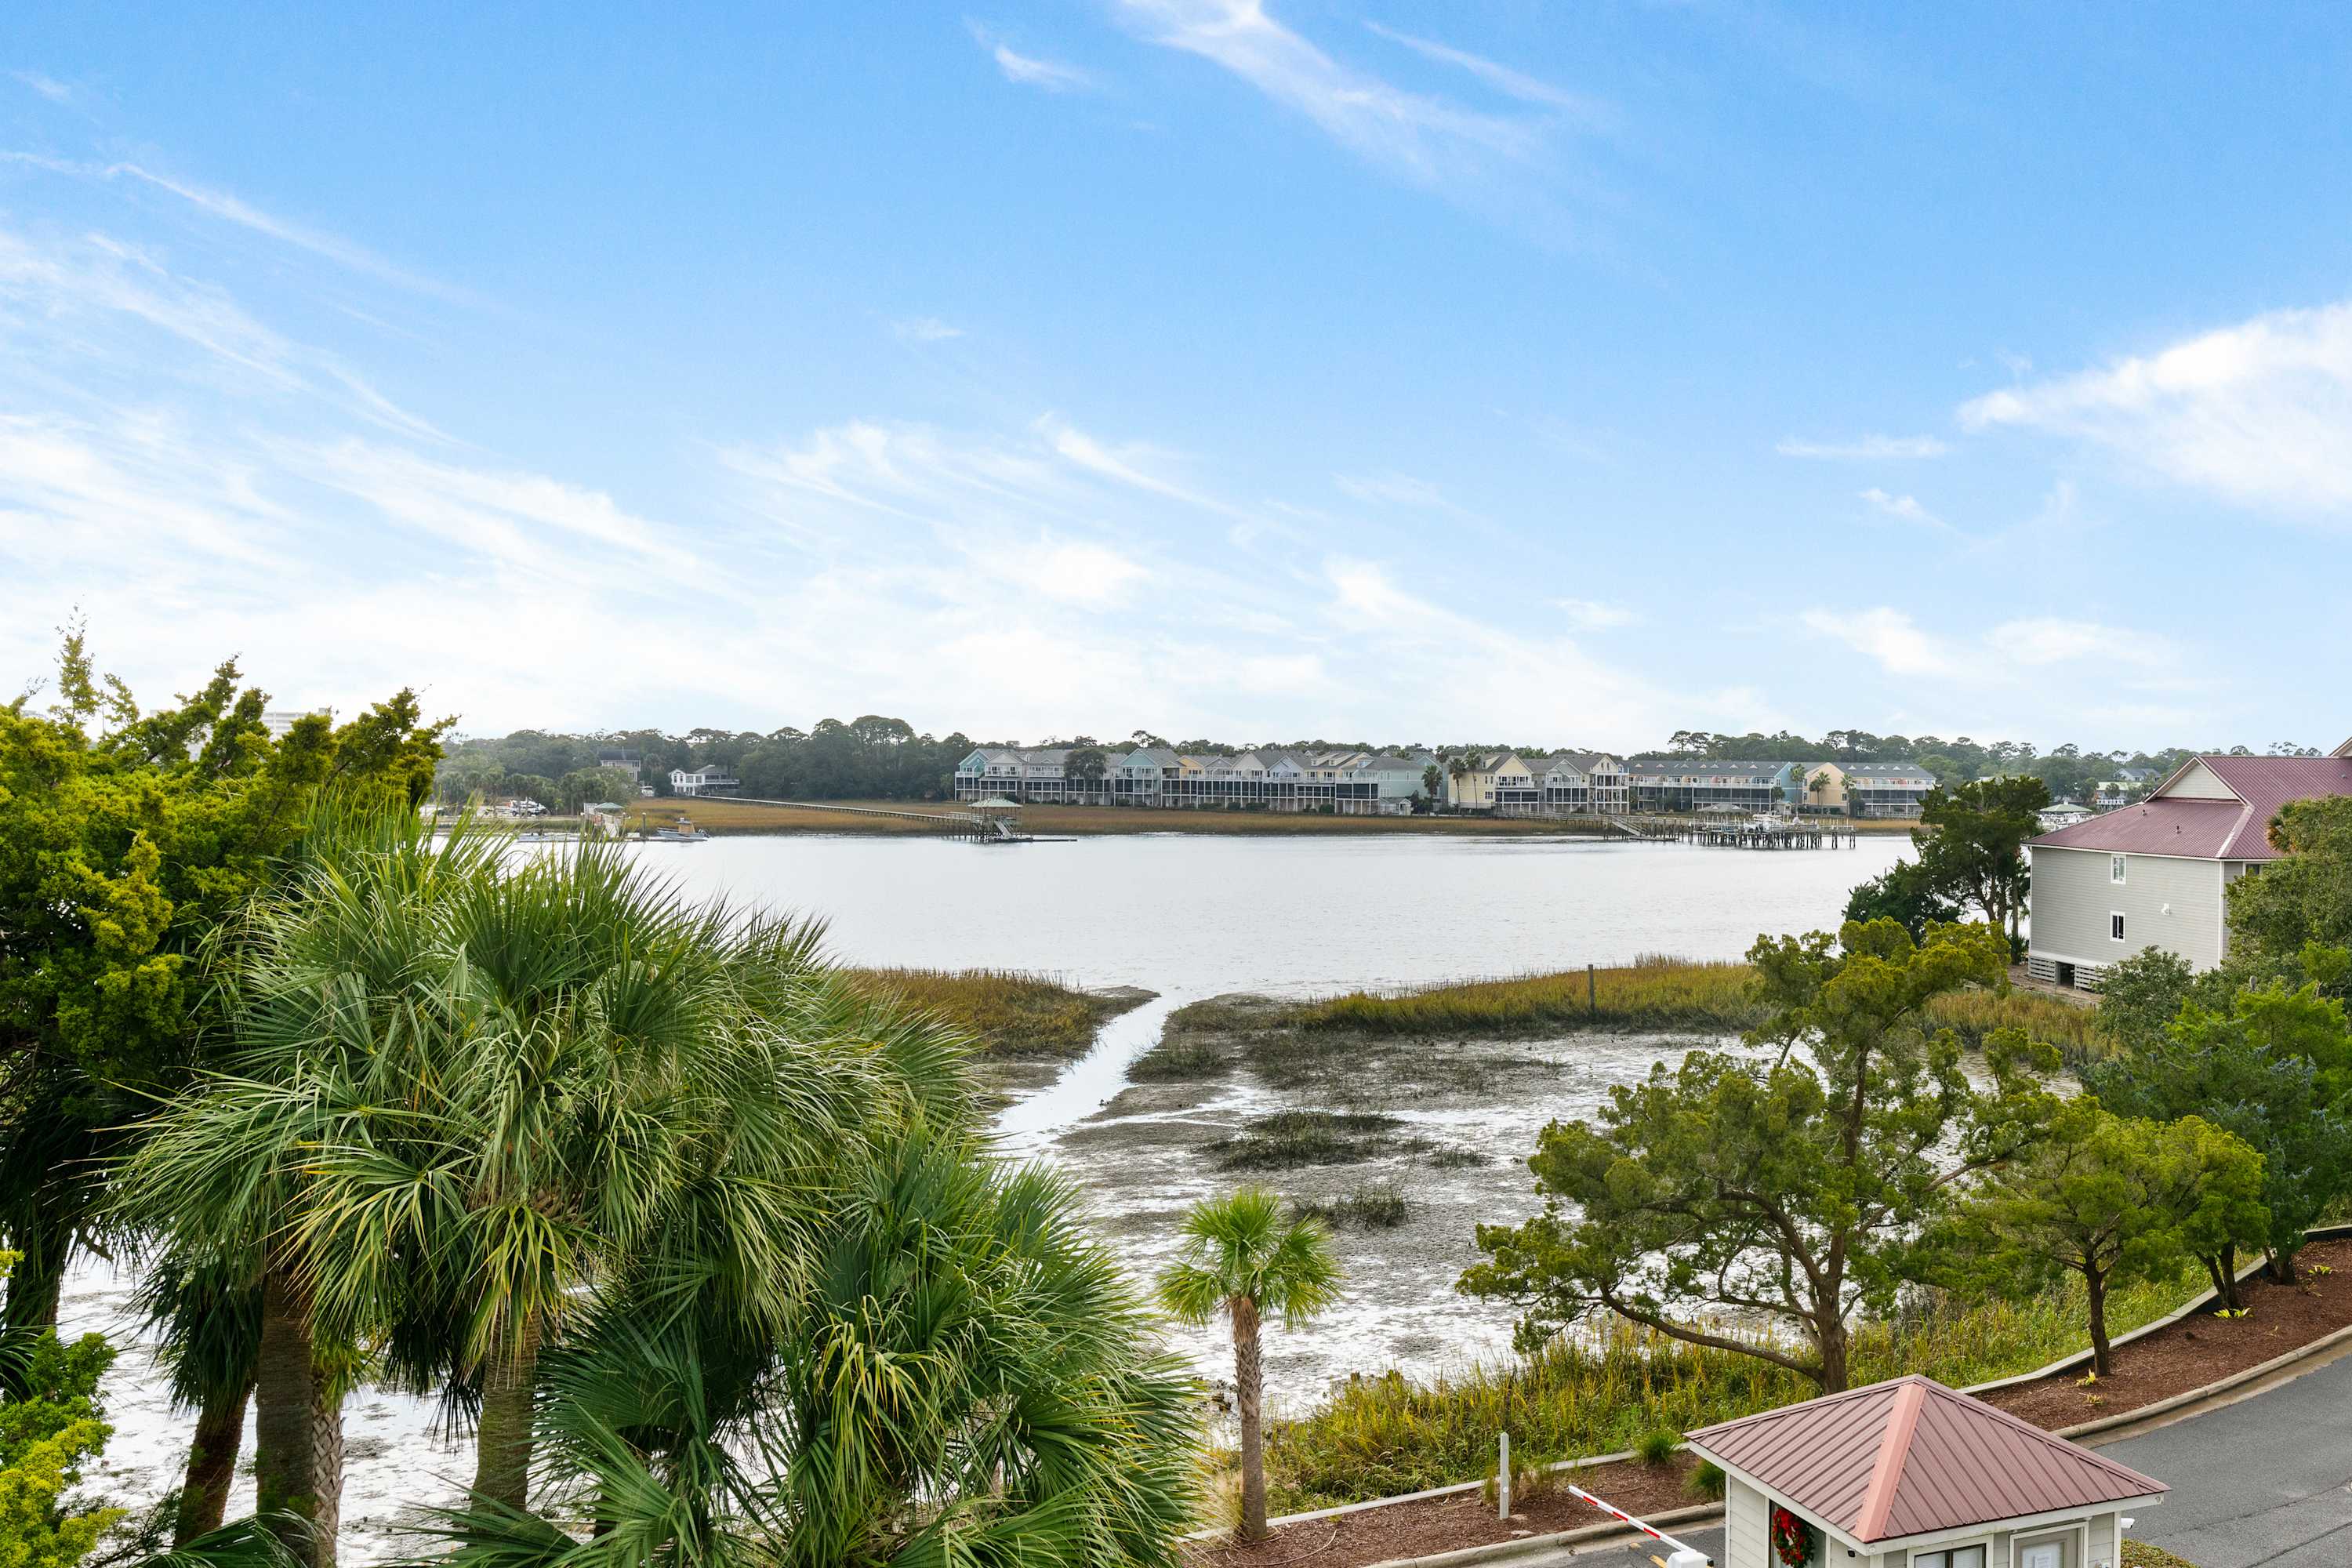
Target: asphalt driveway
(2264, 1483)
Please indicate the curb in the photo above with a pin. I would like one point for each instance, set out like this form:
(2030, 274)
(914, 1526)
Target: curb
(2238, 1385)
(1536, 1545)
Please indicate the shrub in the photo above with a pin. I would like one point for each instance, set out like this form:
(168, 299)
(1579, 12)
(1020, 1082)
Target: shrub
(1658, 1447)
(1705, 1482)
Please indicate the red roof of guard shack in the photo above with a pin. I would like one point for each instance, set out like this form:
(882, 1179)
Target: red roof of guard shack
(1910, 1458)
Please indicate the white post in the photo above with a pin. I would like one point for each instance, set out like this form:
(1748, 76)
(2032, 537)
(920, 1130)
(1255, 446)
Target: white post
(1503, 1477)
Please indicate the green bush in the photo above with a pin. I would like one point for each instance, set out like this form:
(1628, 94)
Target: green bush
(1616, 1382)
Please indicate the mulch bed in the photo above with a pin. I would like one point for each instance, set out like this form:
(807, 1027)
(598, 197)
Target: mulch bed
(2200, 1350)
(1441, 1525)
(2186, 1355)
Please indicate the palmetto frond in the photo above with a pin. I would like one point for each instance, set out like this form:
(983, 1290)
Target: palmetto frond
(1244, 1247)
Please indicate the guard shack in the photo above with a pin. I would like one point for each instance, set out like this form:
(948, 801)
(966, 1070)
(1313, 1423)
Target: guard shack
(1910, 1474)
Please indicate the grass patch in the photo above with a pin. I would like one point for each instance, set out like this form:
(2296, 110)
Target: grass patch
(1202, 1039)
(1379, 1436)
(1651, 994)
(1455, 1159)
(1382, 1205)
(1008, 1014)
(1662, 995)
(1289, 1138)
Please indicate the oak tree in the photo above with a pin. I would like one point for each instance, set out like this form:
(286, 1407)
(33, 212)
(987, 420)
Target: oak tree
(1782, 1190)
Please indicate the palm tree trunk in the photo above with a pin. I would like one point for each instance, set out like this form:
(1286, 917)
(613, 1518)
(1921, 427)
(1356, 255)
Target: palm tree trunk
(297, 1425)
(1249, 1399)
(211, 1464)
(502, 1438)
(38, 1277)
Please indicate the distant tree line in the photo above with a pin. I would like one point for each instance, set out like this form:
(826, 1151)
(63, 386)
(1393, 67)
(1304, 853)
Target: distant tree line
(869, 757)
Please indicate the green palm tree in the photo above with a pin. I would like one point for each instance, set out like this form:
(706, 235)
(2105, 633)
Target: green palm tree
(218, 1175)
(1243, 1257)
(467, 1092)
(963, 1376)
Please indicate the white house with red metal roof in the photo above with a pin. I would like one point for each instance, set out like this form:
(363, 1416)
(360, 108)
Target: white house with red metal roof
(2157, 874)
(1910, 1474)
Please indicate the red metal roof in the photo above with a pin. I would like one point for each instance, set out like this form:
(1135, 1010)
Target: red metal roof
(1911, 1457)
(2213, 829)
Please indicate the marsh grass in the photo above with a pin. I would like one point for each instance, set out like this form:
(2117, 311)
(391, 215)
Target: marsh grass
(1008, 1014)
(1650, 993)
(1379, 1436)
(1288, 1138)
(1378, 1206)
(1665, 995)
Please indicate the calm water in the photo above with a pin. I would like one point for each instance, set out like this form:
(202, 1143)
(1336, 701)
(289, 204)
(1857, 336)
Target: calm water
(1185, 917)
(1195, 916)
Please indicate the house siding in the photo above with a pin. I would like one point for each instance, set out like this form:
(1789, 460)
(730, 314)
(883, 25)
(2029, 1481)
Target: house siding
(1746, 1542)
(2072, 898)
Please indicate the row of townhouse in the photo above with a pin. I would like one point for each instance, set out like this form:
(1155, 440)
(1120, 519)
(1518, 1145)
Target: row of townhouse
(1364, 784)
(1831, 789)
(1557, 784)
(1508, 784)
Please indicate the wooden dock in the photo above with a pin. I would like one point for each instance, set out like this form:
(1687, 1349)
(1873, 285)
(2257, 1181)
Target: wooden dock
(1735, 835)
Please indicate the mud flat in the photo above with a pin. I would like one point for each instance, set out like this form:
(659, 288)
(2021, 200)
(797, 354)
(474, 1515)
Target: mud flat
(1404, 1144)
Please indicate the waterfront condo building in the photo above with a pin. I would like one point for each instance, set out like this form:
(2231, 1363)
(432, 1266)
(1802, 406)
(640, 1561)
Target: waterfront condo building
(2158, 873)
(1355, 783)
(1710, 783)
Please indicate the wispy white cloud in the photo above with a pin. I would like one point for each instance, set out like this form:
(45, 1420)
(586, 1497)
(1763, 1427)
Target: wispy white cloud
(2259, 414)
(1865, 449)
(48, 87)
(1421, 138)
(1596, 614)
(1029, 70)
(923, 329)
(1902, 508)
(114, 296)
(1888, 637)
(1390, 488)
(1503, 79)
(2004, 655)
(234, 209)
(2042, 640)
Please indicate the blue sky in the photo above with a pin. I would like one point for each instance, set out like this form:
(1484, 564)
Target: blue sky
(1561, 374)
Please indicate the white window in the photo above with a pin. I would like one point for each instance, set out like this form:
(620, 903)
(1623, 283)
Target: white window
(2115, 926)
(1951, 1557)
(2116, 869)
(2043, 1554)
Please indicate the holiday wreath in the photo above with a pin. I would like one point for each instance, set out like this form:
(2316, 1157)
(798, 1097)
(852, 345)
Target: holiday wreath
(1792, 1539)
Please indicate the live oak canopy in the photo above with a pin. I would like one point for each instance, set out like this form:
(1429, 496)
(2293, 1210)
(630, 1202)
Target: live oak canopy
(1785, 1188)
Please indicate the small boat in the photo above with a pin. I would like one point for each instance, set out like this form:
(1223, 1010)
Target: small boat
(677, 836)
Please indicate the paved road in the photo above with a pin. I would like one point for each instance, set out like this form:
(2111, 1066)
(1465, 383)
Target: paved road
(2264, 1483)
